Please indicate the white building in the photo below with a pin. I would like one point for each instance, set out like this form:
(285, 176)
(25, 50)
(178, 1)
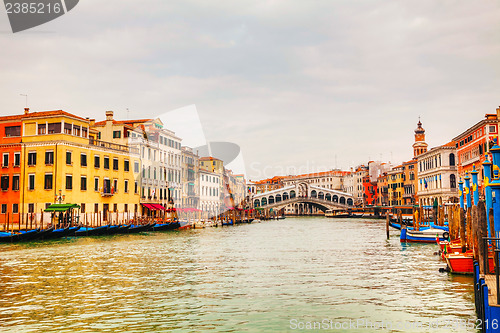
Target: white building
(437, 175)
(210, 193)
(353, 183)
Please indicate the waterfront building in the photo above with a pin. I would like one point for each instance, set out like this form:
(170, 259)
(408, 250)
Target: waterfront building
(369, 191)
(352, 183)
(410, 182)
(395, 186)
(382, 190)
(270, 184)
(212, 164)
(473, 144)
(160, 152)
(437, 176)
(190, 180)
(327, 179)
(62, 160)
(210, 192)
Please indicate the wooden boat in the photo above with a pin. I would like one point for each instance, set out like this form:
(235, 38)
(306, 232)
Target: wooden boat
(463, 263)
(97, 231)
(428, 235)
(59, 233)
(161, 226)
(186, 225)
(23, 236)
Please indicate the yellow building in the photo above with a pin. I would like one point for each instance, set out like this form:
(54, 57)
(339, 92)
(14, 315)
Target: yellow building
(63, 158)
(212, 164)
(395, 186)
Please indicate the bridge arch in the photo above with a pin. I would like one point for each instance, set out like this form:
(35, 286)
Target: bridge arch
(285, 196)
(292, 194)
(342, 200)
(350, 202)
(314, 194)
(321, 195)
(278, 197)
(328, 197)
(264, 201)
(270, 199)
(256, 203)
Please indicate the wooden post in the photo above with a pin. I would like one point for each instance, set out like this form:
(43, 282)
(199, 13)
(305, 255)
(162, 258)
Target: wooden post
(387, 225)
(482, 231)
(492, 224)
(468, 227)
(7, 216)
(472, 227)
(462, 230)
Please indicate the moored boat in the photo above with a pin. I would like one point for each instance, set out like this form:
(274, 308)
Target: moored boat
(428, 235)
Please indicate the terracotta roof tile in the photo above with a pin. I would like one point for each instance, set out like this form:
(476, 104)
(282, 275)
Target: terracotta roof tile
(41, 114)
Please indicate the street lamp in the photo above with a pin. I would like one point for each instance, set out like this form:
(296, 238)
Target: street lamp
(59, 198)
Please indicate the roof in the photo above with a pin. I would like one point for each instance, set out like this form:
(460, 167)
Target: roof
(41, 114)
(209, 158)
(120, 122)
(61, 207)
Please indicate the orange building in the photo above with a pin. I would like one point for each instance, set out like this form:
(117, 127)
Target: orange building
(474, 143)
(10, 179)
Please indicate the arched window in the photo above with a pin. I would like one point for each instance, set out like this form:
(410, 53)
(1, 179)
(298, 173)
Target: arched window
(264, 201)
(271, 199)
(342, 200)
(314, 194)
(321, 195)
(453, 181)
(452, 159)
(335, 198)
(349, 202)
(292, 194)
(328, 197)
(256, 203)
(285, 196)
(278, 197)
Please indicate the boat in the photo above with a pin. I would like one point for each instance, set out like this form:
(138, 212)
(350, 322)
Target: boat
(186, 225)
(336, 213)
(59, 233)
(463, 263)
(135, 228)
(427, 235)
(161, 226)
(87, 231)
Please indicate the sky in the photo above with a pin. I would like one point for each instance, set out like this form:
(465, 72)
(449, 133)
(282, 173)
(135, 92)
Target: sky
(300, 86)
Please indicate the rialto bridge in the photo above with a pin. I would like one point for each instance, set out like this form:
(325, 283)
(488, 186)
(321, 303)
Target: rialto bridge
(303, 198)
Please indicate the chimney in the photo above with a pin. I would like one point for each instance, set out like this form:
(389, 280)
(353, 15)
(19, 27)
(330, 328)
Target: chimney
(92, 122)
(109, 115)
(27, 110)
(498, 113)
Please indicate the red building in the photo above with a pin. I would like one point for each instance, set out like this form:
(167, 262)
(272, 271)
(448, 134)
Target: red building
(369, 191)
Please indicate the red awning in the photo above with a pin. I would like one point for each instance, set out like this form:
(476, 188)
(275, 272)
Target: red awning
(158, 206)
(149, 206)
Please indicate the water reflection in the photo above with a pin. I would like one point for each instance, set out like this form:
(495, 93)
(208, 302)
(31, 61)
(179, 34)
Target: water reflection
(245, 278)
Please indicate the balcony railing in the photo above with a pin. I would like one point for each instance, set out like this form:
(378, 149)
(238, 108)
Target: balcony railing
(114, 146)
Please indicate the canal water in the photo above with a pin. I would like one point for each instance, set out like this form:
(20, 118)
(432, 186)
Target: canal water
(287, 275)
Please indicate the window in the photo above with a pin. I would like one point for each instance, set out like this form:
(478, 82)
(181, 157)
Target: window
(48, 182)
(126, 165)
(452, 159)
(5, 183)
(106, 162)
(125, 208)
(68, 157)
(125, 187)
(117, 134)
(96, 184)
(136, 187)
(106, 186)
(76, 130)
(67, 128)
(84, 132)
(83, 183)
(17, 159)
(49, 157)
(136, 167)
(32, 158)
(4, 208)
(5, 160)
(15, 183)
(115, 186)
(82, 208)
(31, 182)
(115, 207)
(97, 161)
(15, 208)
(115, 164)
(453, 181)
(96, 208)
(54, 128)
(42, 129)
(31, 208)
(12, 131)
(83, 160)
(69, 182)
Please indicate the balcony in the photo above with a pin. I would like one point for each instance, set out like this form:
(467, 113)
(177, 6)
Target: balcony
(114, 146)
(107, 194)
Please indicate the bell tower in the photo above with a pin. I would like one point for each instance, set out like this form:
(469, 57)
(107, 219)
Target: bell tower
(419, 147)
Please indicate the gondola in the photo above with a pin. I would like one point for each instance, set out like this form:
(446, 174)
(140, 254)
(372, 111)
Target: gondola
(86, 231)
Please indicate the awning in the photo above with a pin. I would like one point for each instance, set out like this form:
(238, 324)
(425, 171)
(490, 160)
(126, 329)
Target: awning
(61, 207)
(158, 206)
(149, 206)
